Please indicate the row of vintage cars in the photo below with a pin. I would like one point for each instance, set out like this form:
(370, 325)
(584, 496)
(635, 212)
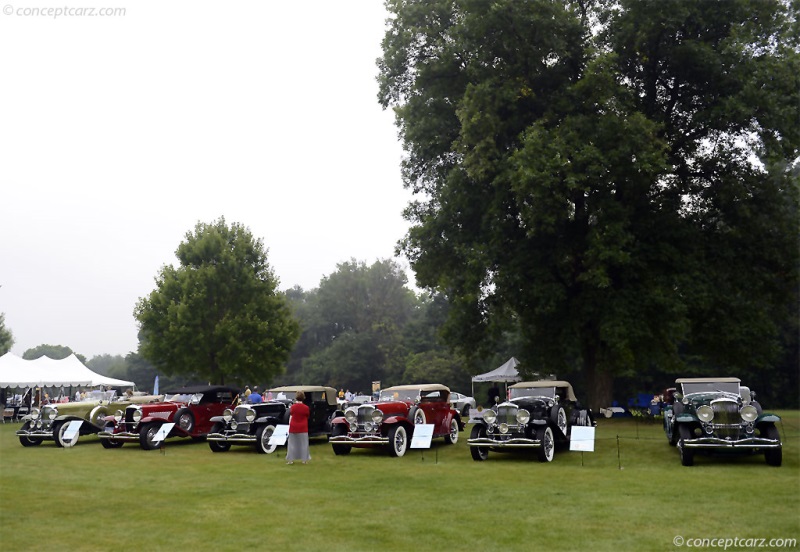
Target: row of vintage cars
(705, 415)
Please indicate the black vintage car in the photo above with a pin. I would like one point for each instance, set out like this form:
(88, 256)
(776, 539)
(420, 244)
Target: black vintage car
(253, 424)
(537, 415)
(720, 416)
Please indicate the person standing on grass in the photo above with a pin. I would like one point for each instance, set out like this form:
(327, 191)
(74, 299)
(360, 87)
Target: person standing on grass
(297, 448)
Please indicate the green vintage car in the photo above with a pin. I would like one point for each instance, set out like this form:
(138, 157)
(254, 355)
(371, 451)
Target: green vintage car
(720, 416)
(50, 422)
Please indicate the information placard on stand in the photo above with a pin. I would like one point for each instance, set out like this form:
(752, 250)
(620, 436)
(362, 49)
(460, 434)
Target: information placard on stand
(162, 432)
(423, 433)
(279, 436)
(70, 436)
(582, 439)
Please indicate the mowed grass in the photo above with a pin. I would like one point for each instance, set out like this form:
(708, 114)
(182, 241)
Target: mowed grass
(630, 494)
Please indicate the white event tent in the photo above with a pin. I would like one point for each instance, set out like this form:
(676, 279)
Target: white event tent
(505, 373)
(47, 372)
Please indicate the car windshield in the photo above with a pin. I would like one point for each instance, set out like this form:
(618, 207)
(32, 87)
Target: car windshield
(710, 387)
(399, 395)
(517, 392)
(180, 397)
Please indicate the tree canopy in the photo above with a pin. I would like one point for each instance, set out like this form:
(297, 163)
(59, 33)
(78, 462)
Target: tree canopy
(218, 316)
(6, 336)
(617, 180)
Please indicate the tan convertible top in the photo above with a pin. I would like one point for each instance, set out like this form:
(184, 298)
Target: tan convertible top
(420, 386)
(330, 392)
(708, 380)
(547, 383)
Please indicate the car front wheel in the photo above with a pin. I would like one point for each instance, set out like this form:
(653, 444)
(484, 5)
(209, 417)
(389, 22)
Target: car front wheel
(59, 429)
(545, 452)
(26, 441)
(339, 449)
(218, 446)
(147, 436)
(774, 457)
(263, 434)
(398, 440)
(479, 454)
(452, 437)
(687, 455)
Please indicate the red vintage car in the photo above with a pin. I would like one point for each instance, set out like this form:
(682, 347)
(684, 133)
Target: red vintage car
(391, 420)
(189, 408)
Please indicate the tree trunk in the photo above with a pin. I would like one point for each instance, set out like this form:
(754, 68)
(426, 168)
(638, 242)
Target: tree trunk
(600, 383)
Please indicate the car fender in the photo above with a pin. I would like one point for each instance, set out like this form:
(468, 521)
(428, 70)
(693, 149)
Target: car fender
(398, 420)
(266, 420)
(768, 418)
(150, 419)
(684, 418)
(215, 419)
(339, 420)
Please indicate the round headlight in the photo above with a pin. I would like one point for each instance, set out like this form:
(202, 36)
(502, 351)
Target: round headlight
(51, 413)
(749, 413)
(353, 427)
(35, 412)
(368, 426)
(503, 428)
(38, 424)
(227, 415)
(705, 413)
(523, 416)
(234, 424)
(377, 416)
(118, 416)
(490, 416)
(250, 415)
(350, 416)
(137, 415)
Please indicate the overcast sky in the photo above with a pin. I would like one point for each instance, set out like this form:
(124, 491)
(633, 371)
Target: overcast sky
(119, 133)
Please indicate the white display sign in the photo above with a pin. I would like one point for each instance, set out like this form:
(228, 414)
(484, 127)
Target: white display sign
(279, 436)
(71, 433)
(423, 433)
(582, 439)
(163, 431)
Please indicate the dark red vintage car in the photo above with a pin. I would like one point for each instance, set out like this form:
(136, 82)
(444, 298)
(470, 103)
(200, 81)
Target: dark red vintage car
(189, 408)
(391, 420)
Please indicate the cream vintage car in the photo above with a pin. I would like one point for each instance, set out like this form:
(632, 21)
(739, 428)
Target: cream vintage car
(50, 421)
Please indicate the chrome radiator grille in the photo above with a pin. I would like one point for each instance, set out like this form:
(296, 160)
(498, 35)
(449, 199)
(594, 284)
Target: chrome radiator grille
(726, 419)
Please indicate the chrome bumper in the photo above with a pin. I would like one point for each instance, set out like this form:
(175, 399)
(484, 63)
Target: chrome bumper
(365, 440)
(235, 438)
(514, 442)
(123, 436)
(36, 433)
(716, 442)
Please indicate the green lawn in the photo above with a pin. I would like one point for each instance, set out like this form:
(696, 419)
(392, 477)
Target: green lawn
(631, 497)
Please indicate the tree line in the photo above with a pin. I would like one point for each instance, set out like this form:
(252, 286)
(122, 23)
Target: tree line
(609, 191)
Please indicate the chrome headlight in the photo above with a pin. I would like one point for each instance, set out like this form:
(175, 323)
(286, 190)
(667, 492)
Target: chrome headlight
(503, 428)
(234, 424)
(705, 413)
(250, 415)
(350, 416)
(50, 413)
(368, 426)
(38, 424)
(490, 416)
(749, 413)
(377, 416)
(227, 415)
(35, 412)
(353, 427)
(118, 416)
(137, 415)
(523, 416)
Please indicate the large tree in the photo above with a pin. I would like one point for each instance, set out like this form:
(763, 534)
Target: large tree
(6, 337)
(217, 316)
(612, 178)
